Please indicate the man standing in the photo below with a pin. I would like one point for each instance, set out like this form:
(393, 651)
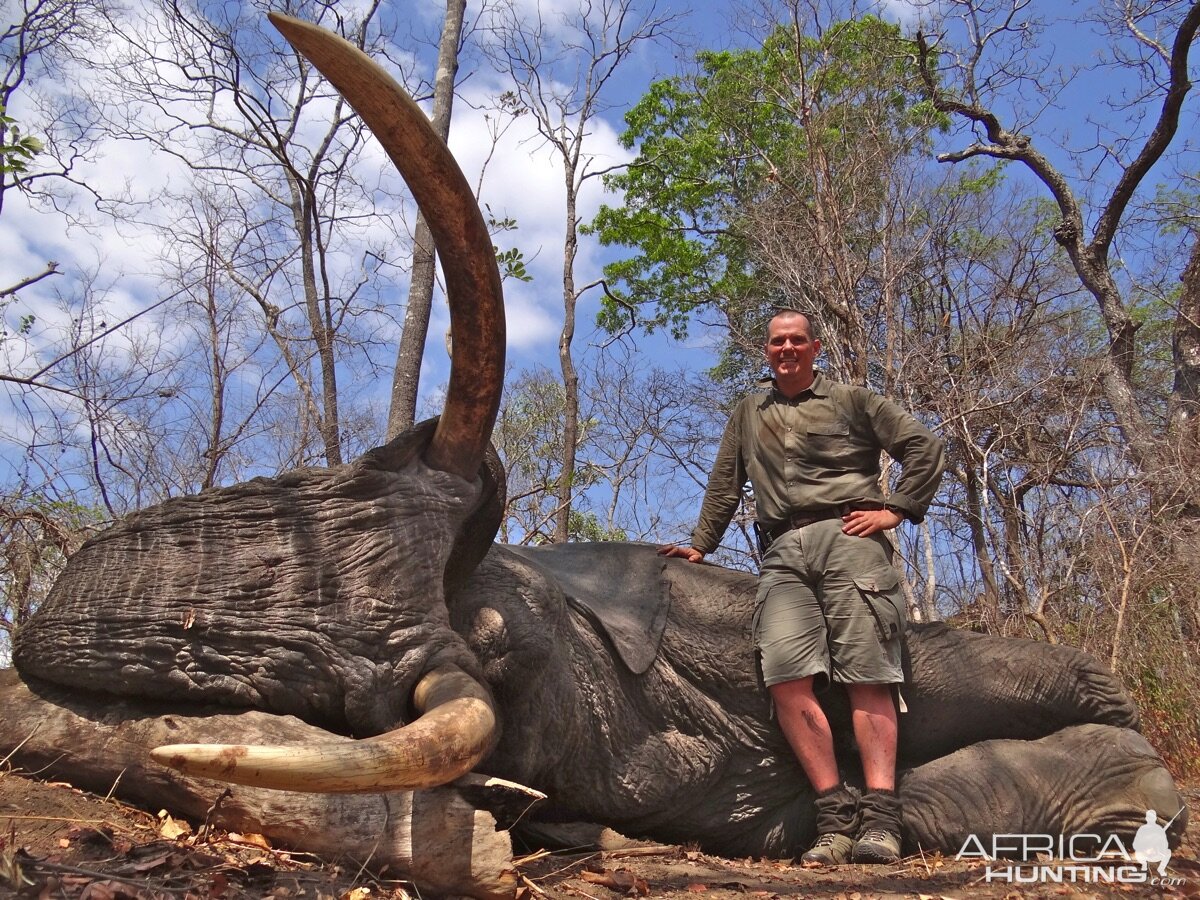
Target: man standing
(829, 603)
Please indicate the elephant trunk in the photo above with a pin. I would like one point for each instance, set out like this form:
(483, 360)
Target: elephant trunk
(455, 731)
(459, 231)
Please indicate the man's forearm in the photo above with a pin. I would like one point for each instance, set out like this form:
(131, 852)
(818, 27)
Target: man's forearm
(724, 491)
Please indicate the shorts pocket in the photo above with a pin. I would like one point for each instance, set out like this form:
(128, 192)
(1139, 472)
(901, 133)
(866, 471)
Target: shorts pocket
(756, 619)
(882, 593)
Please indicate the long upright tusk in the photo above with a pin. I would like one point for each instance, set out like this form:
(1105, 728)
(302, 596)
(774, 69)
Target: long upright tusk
(456, 729)
(459, 231)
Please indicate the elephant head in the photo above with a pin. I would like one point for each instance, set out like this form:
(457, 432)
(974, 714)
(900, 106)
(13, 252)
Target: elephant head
(320, 593)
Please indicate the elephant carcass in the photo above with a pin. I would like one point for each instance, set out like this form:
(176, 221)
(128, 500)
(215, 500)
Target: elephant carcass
(630, 697)
(627, 693)
(316, 597)
(623, 683)
(320, 593)
(445, 839)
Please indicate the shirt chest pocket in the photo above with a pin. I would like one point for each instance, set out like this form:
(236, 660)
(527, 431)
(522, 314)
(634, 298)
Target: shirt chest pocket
(828, 442)
(828, 431)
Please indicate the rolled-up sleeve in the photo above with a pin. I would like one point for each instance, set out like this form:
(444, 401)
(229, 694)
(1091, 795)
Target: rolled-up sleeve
(920, 452)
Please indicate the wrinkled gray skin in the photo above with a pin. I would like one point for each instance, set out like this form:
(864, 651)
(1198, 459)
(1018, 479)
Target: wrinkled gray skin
(318, 594)
(687, 751)
(627, 692)
(624, 683)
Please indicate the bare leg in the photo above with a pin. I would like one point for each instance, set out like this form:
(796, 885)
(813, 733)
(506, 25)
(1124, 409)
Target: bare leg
(874, 716)
(807, 731)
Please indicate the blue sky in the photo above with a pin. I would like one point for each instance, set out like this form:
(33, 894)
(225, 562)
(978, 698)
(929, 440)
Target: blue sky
(522, 179)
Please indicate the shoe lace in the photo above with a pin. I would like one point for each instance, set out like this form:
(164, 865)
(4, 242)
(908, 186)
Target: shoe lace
(877, 834)
(824, 840)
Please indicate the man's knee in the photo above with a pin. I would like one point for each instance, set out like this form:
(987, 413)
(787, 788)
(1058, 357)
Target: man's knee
(878, 698)
(794, 690)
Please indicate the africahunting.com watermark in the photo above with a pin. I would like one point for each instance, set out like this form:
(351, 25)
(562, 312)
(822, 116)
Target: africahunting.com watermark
(1077, 858)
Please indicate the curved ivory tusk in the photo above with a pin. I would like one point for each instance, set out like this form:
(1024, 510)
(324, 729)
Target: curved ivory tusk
(456, 729)
(459, 231)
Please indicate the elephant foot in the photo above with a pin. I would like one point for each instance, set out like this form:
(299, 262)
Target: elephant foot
(1084, 780)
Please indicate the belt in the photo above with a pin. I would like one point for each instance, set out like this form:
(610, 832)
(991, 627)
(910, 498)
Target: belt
(803, 517)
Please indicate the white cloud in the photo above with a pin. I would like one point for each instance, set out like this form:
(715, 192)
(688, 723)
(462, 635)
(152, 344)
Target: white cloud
(531, 325)
(523, 180)
(906, 13)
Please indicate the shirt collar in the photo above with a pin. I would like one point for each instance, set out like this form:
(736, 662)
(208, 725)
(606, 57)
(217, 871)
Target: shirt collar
(818, 388)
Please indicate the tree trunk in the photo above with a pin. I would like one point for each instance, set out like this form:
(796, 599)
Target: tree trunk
(215, 450)
(1185, 398)
(316, 308)
(407, 378)
(435, 837)
(566, 481)
(983, 559)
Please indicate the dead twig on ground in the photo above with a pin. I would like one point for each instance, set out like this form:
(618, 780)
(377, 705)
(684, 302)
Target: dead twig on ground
(202, 834)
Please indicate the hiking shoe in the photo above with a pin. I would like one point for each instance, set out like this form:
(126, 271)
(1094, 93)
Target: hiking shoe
(829, 850)
(876, 846)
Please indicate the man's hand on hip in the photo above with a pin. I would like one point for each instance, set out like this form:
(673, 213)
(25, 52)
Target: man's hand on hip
(691, 554)
(864, 522)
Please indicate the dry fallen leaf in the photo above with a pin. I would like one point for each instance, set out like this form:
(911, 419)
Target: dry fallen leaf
(110, 890)
(621, 880)
(254, 840)
(697, 888)
(170, 829)
(218, 885)
(150, 863)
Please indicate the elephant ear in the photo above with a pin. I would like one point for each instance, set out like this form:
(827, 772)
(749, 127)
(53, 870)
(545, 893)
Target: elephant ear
(620, 587)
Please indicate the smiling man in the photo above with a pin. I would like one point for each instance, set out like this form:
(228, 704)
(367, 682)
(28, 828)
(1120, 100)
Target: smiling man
(829, 604)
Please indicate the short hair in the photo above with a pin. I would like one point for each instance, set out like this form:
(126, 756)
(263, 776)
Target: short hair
(781, 311)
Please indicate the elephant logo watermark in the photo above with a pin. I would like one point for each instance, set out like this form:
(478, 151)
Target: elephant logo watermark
(1077, 858)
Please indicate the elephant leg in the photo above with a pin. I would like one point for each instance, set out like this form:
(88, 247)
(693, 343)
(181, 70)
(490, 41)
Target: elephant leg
(438, 839)
(964, 687)
(1086, 779)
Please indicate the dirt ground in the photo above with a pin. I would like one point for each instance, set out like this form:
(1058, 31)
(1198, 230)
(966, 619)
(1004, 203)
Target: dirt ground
(59, 842)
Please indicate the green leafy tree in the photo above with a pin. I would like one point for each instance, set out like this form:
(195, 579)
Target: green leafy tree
(770, 177)
(16, 150)
(562, 64)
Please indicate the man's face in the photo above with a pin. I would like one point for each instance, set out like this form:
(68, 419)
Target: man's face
(790, 346)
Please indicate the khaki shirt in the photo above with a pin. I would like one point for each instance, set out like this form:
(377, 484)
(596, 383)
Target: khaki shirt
(816, 452)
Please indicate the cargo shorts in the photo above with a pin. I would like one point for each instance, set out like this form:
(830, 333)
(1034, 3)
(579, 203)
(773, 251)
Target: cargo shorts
(829, 605)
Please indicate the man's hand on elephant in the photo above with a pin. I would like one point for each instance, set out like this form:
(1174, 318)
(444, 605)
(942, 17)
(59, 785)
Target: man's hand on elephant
(691, 554)
(864, 522)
